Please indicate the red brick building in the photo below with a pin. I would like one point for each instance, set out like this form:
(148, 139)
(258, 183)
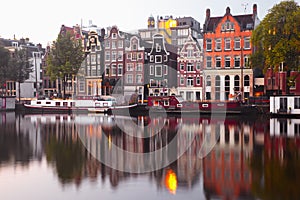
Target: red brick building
(227, 49)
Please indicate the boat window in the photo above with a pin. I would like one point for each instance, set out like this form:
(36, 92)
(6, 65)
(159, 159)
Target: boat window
(205, 105)
(38, 102)
(65, 104)
(57, 103)
(48, 102)
(166, 102)
(72, 104)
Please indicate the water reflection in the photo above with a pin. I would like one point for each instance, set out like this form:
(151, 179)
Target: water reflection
(231, 159)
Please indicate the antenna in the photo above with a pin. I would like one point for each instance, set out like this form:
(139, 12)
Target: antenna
(245, 6)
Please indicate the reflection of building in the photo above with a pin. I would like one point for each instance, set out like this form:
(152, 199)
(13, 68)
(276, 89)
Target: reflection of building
(225, 169)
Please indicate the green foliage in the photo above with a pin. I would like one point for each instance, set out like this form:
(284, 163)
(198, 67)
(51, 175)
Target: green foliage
(65, 57)
(4, 62)
(20, 66)
(277, 38)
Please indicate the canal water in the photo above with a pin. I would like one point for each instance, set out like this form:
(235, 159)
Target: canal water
(154, 157)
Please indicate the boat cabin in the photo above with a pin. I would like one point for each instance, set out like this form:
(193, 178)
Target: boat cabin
(167, 102)
(285, 105)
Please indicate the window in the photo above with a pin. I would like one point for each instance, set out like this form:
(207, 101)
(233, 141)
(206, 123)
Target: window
(227, 44)
(114, 36)
(129, 67)
(237, 43)
(208, 45)
(246, 61)
(218, 44)
(138, 78)
(181, 80)
(198, 66)
(129, 56)
(113, 55)
(158, 59)
(113, 44)
(120, 69)
(120, 55)
(247, 43)
(208, 62)
(107, 44)
(140, 55)
(139, 67)
(218, 62)
(134, 56)
(297, 103)
(217, 87)
(190, 81)
(237, 61)
(246, 80)
(107, 56)
(181, 66)
(208, 81)
(107, 70)
(227, 61)
(158, 70)
(236, 83)
(129, 78)
(190, 67)
(158, 47)
(189, 53)
(198, 80)
(151, 70)
(113, 69)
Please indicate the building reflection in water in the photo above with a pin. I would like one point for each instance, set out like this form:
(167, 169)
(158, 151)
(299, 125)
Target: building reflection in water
(242, 158)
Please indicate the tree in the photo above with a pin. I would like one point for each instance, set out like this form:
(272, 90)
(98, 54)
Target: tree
(19, 67)
(276, 39)
(4, 62)
(65, 58)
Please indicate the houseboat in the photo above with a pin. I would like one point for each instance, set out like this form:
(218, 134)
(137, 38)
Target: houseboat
(285, 106)
(177, 105)
(99, 104)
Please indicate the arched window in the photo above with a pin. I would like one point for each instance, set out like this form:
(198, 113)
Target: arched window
(246, 80)
(236, 83)
(227, 86)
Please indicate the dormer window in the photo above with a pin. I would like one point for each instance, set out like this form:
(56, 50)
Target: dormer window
(228, 26)
(114, 36)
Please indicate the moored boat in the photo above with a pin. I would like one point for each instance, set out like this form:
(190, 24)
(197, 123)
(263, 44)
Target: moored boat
(285, 106)
(70, 105)
(177, 105)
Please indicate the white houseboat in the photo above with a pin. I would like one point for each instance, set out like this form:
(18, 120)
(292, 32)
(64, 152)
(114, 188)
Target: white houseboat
(101, 104)
(285, 106)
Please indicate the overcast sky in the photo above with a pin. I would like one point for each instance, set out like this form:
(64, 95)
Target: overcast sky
(40, 21)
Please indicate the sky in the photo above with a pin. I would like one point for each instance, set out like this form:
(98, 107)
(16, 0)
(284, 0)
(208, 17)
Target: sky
(40, 21)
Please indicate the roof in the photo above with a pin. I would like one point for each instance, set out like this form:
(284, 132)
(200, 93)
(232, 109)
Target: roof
(243, 20)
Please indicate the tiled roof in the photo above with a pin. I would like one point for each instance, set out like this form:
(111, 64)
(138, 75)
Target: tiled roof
(243, 20)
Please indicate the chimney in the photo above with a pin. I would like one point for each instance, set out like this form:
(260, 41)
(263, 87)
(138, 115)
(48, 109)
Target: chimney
(227, 11)
(254, 10)
(207, 13)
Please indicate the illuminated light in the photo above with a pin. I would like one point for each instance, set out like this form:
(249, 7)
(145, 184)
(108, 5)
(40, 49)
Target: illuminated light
(171, 181)
(109, 142)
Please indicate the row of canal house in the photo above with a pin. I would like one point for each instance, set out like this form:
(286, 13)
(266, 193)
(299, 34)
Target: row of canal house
(212, 64)
(170, 56)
